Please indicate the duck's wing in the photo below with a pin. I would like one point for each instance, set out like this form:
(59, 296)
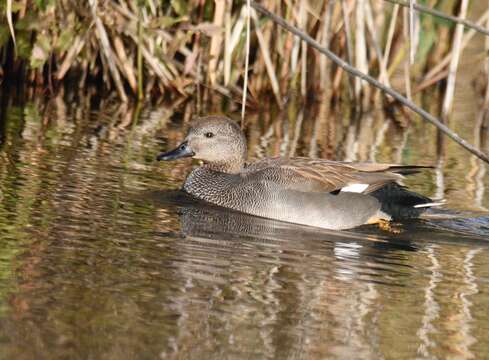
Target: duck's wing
(319, 175)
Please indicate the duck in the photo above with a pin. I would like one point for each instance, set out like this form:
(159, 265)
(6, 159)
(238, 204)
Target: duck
(335, 195)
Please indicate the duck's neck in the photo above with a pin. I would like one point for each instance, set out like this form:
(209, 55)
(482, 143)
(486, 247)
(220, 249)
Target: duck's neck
(228, 167)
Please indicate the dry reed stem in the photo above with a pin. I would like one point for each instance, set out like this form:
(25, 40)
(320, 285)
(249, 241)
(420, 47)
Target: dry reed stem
(407, 67)
(139, 58)
(267, 58)
(361, 61)
(398, 59)
(227, 38)
(412, 42)
(247, 61)
(8, 14)
(70, 57)
(107, 51)
(216, 40)
(126, 64)
(429, 82)
(383, 77)
(349, 47)
(325, 38)
(237, 30)
(337, 80)
(486, 68)
(294, 55)
(390, 33)
(452, 71)
(155, 65)
(304, 66)
(268, 34)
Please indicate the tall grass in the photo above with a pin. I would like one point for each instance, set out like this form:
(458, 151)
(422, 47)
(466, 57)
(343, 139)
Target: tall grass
(146, 47)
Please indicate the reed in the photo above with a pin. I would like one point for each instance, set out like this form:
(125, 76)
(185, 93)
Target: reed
(182, 48)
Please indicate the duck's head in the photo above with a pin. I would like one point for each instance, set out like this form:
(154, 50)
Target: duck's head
(216, 140)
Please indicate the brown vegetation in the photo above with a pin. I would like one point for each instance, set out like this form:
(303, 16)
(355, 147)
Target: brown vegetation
(138, 48)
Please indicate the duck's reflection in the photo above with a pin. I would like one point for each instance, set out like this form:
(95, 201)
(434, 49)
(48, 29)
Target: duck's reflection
(279, 288)
(200, 219)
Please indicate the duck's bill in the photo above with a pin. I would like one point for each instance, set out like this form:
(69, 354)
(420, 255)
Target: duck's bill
(182, 151)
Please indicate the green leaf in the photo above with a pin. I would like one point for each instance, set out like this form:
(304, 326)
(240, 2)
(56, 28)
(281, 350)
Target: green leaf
(24, 46)
(27, 23)
(43, 4)
(426, 41)
(66, 39)
(180, 7)
(4, 35)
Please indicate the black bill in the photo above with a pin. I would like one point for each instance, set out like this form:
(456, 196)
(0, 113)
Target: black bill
(182, 151)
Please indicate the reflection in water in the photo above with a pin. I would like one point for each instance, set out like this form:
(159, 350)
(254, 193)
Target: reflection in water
(341, 274)
(97, 261)
(465, 338)
(293, 272)
(431, 306)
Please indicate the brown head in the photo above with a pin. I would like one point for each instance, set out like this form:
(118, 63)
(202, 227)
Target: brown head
(216, 140)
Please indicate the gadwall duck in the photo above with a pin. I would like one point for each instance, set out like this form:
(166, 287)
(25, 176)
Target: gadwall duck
(315, 192)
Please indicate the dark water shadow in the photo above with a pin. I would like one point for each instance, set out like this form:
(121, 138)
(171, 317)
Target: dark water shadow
(201, 219)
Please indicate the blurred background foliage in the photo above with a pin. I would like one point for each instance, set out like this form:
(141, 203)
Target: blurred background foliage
(147, 47)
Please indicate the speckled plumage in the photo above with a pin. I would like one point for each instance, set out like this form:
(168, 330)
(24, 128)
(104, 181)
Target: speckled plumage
(298, 190)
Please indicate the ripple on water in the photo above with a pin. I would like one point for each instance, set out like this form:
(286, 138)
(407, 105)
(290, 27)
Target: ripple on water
(95, 263)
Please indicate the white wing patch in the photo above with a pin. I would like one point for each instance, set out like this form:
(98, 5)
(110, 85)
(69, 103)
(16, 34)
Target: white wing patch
(355, 188)
(431, 204)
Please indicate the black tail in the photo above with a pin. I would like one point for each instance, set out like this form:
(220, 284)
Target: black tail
(399, 202)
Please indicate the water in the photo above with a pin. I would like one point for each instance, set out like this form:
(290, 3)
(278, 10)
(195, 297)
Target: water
(101, 257)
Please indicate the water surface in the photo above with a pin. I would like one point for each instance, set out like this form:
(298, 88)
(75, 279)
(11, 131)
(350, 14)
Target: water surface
(102, 257)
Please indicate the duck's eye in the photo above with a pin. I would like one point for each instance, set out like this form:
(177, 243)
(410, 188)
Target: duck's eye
(209, 134)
